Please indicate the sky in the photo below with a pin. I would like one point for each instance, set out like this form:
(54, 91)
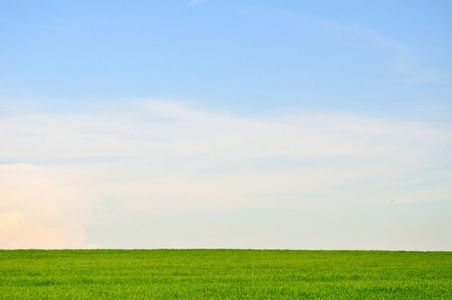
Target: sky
(226, 124)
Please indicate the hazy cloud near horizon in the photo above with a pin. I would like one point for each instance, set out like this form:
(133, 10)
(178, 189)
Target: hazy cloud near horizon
(116, 177)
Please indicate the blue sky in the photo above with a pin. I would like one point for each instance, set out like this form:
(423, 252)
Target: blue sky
(237, 124)
(376, 58)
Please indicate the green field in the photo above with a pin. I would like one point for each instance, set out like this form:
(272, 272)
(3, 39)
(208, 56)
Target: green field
(235, 274)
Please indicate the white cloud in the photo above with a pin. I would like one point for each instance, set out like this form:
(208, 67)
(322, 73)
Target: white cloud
(38, 210)
(161, 158)
(17, 233)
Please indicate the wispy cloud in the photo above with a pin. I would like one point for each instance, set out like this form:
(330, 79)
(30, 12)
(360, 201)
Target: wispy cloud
(402, 60)
(160, 158)
(196, 2)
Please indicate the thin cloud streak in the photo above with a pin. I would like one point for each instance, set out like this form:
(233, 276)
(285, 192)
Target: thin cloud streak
(196, 2)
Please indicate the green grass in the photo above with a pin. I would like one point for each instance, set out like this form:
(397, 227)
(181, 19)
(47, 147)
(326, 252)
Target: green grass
(233, 274)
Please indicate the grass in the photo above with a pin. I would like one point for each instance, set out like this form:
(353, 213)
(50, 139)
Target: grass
(228, 274)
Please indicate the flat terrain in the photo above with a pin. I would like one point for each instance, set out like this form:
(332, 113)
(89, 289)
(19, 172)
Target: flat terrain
(234, 274)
